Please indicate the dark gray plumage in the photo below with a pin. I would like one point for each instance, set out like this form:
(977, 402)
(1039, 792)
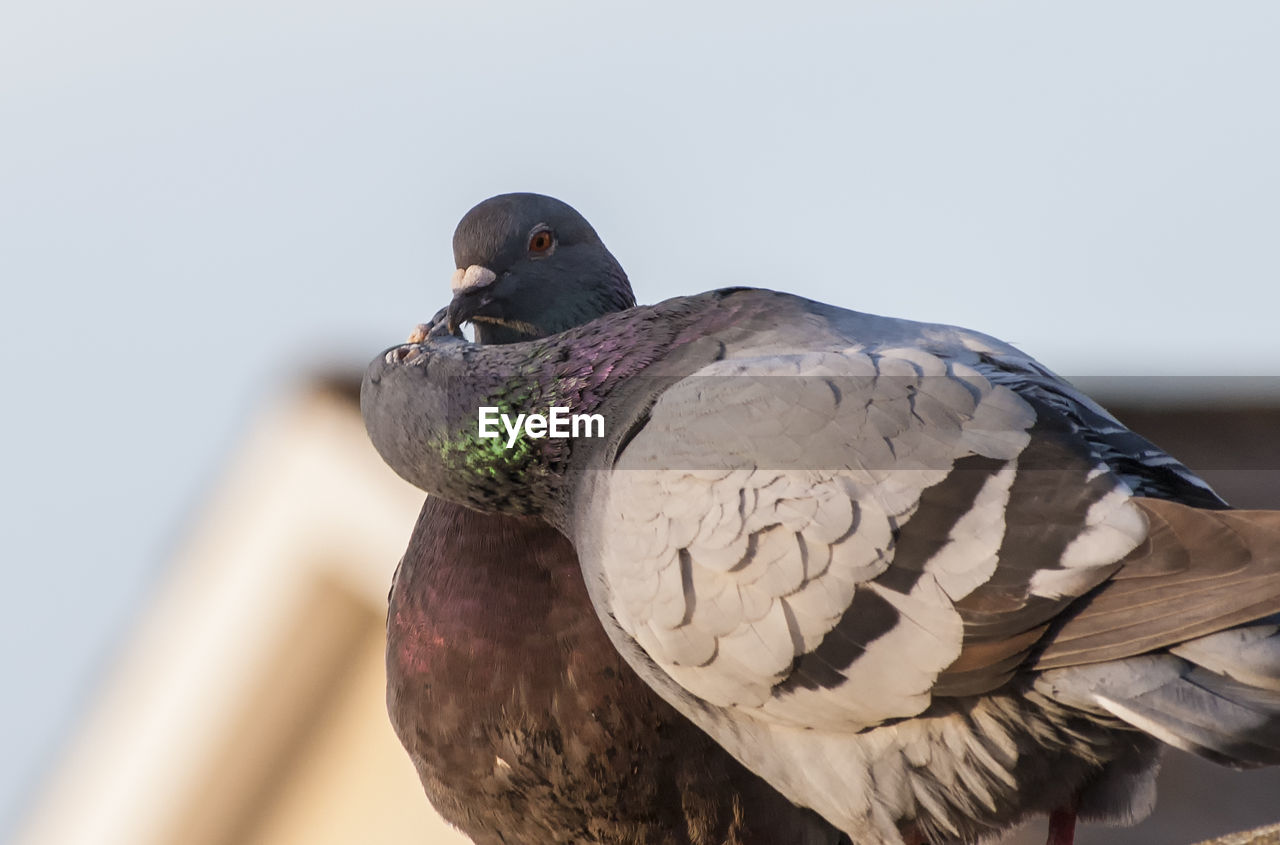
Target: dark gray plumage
(900, 570)
(536, 268)
(524, 722)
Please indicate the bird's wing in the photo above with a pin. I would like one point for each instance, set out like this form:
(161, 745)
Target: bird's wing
(829, 539)
(1201, 568)
(1146, 468)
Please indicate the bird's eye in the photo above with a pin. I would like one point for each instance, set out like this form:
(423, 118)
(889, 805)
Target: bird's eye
(541, 241)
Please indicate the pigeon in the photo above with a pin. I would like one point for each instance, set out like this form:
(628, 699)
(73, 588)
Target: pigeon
(902, 571)
(524, 722)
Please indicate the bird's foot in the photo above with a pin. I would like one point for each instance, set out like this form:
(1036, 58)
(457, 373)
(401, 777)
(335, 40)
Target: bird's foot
(911, 835)
(436, 327)
(1062, 826)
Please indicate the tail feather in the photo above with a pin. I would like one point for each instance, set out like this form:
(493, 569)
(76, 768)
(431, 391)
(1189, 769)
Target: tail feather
(1250, 655)
(1183, 642)
(1204, 721)
(1217, 696)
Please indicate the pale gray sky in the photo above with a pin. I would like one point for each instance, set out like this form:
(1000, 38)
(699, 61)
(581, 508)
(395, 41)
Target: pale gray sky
(201, 202)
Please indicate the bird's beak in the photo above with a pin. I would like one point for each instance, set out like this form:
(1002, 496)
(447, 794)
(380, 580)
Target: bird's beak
(468, 286)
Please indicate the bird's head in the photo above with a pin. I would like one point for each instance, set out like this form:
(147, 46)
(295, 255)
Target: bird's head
(531, 266)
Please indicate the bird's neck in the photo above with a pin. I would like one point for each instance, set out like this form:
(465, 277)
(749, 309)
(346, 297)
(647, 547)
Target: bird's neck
(598, 379)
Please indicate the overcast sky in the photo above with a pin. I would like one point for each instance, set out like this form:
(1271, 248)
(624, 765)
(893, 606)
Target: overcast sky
(200, 203)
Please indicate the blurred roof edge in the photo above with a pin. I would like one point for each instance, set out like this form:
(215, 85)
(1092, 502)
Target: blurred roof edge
(247, 703)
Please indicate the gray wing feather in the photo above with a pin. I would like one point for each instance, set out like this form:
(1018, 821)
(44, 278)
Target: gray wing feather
(1146, 468)
(775, 544)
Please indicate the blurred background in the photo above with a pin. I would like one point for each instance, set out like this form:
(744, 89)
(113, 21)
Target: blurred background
(212, 215)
